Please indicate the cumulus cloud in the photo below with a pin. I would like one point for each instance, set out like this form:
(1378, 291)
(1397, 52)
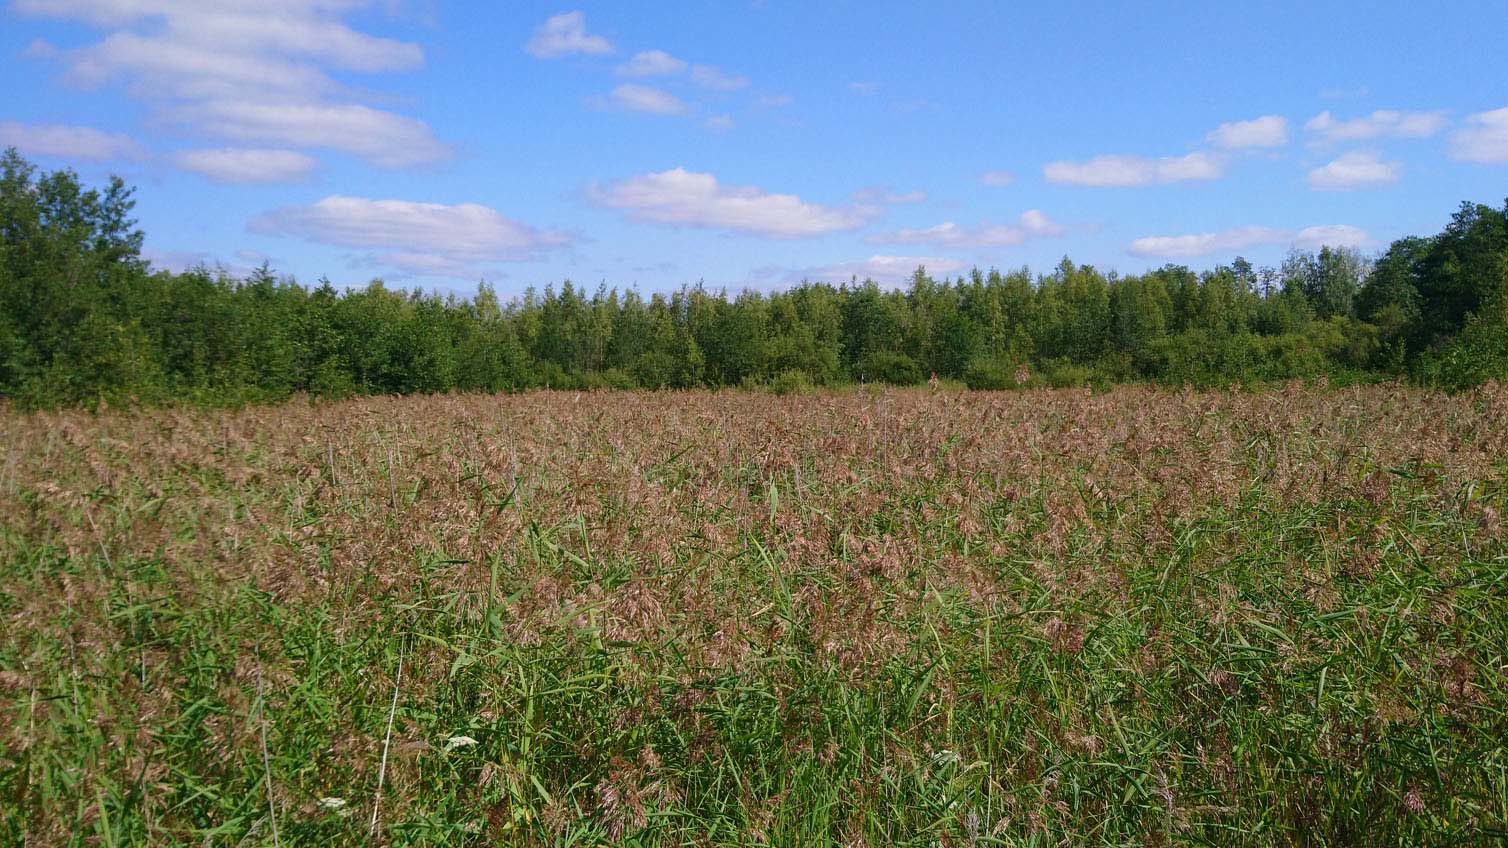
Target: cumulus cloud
(1484, 139)
(382, 138)
(1357, 169)
(282, 27)
(246, 165)
(179, 261)
(658, 63)
(644, 98)
(1033, 224)
(652, 63)
(159, 66)
(997, 179)
(1266, 131)
(68, 142)
(684, 198)
(428, 239)
(882, 268)
(1245, 238)
(239, 68)
(1384, 123)
(1134, 171)
(713, 79)
(565, 35)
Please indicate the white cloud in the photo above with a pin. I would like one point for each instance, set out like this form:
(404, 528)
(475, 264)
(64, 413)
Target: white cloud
(1129, 171)
(684, 198)
(429, 239)
(864, 89)
(564, 35)
(1484, 139)
(997, 179)
(163, 67)
(244, 165)
(711, 78)
(284, 27)
(1194, 166)
(652, 63)
(1266, 131)
(774, 101)
(1331, 235)
(1033, 224)
(1245, 238)
(1383, 123)
(644, 98)
(240, 69)
(719, 123)
(1357, 169)
(66, 142)
(179, 261)
(382, 138)
(885, 269)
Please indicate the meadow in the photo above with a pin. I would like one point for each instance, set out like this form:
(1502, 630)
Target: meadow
(863, 618)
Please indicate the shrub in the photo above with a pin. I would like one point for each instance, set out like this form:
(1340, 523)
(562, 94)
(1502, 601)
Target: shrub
(1062, 373)
(1478, 355)
(885, 366)
(791, 381)
(991, 372)
(548, 375)
(612, 378)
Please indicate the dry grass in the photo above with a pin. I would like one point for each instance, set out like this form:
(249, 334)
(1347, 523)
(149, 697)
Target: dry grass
(865, 618)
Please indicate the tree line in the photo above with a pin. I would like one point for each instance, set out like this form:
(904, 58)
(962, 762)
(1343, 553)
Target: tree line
(84, 318)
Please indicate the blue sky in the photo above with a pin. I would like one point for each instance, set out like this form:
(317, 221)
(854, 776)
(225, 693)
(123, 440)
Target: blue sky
(755, 144)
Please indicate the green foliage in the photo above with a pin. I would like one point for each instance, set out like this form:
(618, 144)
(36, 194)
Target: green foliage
(1064, 373)
(84, 319)
(1478, 354)
(888, 366)
(791, 382)
(987, 371)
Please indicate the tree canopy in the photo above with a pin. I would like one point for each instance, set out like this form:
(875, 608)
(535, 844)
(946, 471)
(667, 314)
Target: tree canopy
(83, 318)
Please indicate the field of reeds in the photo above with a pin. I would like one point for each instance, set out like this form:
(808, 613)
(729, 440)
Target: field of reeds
(911, 617)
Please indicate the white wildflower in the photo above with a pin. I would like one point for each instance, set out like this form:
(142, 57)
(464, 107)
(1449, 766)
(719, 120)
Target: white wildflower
(334, 805)
(946, 757)
(455, 742)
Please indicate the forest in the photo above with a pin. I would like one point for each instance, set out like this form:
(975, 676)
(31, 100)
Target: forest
(84, 318)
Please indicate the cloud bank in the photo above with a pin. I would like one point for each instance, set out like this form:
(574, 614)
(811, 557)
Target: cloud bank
(1245, 238)
(1033, 224)
(68, 142)
(685, 198)
(1135, 171)
(429, 239)
(251, 71)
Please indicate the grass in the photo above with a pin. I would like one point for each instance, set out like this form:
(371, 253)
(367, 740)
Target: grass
(875, 618)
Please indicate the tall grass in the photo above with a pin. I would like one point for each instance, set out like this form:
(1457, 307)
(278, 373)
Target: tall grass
(875, 618)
